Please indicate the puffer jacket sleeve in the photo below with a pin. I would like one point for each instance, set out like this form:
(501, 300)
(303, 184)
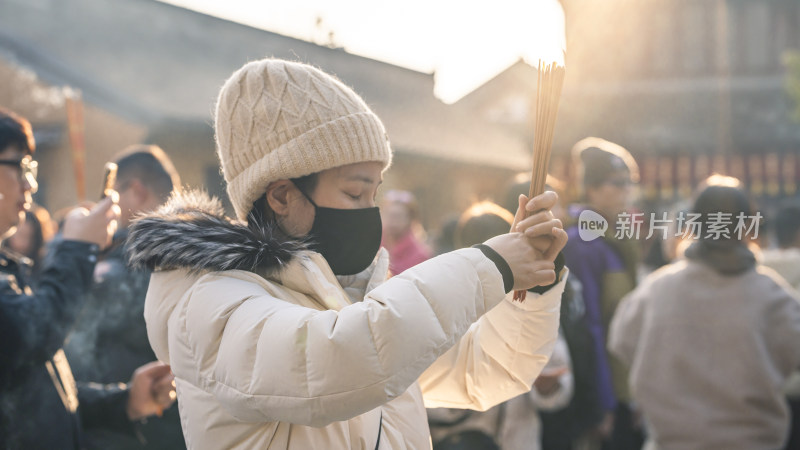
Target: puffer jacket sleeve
(265, 359)
(500, 355)
(560, 398)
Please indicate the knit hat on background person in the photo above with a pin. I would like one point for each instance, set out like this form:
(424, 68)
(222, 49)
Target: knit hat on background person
(598, 159)
(278, 119)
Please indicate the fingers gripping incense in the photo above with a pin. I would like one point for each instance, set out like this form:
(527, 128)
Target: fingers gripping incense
(550, 81)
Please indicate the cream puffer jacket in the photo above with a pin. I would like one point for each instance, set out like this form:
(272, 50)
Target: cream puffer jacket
(287, 355)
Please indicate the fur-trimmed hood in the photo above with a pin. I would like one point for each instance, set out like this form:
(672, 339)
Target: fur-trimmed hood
(191, 232)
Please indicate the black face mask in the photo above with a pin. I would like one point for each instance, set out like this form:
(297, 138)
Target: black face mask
(348, 239)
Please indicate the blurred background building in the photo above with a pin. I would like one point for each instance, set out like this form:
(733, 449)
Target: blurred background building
(150, 72)
(688, 86)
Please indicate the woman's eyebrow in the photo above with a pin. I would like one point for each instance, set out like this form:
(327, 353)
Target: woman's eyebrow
(363, 178)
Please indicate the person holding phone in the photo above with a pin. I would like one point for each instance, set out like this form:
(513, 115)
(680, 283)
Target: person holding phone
(281, 326)
(109, 340)
(40, 404)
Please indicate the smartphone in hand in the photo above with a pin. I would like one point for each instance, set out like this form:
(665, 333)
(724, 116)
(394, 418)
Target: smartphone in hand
(109, 178)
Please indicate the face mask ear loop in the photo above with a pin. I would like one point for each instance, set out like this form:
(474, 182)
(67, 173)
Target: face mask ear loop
(305, 195)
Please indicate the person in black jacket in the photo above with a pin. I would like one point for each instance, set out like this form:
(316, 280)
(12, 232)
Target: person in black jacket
(109, 339)
(40, 404)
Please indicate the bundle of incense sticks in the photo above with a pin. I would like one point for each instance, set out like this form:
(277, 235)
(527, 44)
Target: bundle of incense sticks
(548, 94)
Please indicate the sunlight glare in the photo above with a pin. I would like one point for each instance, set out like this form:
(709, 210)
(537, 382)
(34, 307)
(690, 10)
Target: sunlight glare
(464, 44)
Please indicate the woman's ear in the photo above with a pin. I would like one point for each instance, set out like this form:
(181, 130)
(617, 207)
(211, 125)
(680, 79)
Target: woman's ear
(278, 196)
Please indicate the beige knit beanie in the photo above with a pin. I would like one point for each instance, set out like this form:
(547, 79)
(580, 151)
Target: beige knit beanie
(277, 119)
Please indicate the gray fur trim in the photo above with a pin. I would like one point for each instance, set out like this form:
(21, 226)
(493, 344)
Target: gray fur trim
(191, 232)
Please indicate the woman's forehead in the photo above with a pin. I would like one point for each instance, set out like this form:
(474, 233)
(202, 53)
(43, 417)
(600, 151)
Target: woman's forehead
(368, 172)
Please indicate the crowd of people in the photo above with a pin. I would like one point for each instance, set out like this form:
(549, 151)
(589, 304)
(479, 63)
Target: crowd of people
(43, 404)
(312, 319)
(700, 352)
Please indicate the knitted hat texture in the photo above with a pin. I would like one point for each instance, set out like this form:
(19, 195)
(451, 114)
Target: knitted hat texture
(277, 120)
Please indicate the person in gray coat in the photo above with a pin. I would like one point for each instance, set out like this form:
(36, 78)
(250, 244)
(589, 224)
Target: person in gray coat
(710, 340)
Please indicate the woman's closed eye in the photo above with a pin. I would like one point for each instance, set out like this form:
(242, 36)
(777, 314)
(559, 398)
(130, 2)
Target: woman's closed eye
(363, 198)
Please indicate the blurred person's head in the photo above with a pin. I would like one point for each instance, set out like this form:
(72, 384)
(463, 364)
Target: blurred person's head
(674, 244)
(305, 161)
(145, 180)
(721, 197)
(399, 213)
(445, 240)
(481, 222)
(520, 185)
(607, 173)
(786, 226)
(17, 170)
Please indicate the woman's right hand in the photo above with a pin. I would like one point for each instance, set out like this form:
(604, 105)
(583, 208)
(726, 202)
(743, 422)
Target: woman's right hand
(528, 265)
(532, 250)
(545, 231)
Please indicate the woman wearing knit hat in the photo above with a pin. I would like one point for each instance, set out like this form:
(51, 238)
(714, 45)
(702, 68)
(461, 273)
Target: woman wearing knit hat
(281, 327)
